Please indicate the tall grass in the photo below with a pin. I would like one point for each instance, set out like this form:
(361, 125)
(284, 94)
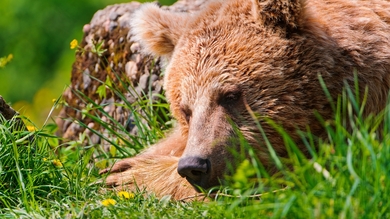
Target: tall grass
(35, 175)
(347, 175)
(148, 114)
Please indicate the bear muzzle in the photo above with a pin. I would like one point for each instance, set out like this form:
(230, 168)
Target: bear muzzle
(196, 170)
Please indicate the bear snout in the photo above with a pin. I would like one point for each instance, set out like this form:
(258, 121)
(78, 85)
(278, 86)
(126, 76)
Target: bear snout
(195, 169)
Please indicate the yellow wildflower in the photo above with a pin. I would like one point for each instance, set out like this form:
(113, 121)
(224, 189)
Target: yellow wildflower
(74, 44)
(44, 159)
(57, 163)
(108, 202)
(4, 60)
(126, 195)
(31, 128)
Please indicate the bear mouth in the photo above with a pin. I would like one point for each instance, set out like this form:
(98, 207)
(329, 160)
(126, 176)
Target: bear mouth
(199, 186)
(204, 185)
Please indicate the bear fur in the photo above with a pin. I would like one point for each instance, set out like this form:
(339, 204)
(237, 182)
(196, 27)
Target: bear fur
(239, 58)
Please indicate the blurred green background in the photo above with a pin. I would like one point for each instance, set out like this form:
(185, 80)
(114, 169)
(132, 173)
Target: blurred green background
(37, 34)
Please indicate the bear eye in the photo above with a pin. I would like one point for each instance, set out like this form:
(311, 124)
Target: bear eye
(187, 113)
(231, 97)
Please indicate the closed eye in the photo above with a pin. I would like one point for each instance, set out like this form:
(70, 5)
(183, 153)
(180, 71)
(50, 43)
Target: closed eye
(231, 97)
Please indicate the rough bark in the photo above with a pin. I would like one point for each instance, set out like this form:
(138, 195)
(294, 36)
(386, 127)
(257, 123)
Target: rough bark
(8, 113)
(122, 62)
(6, 110)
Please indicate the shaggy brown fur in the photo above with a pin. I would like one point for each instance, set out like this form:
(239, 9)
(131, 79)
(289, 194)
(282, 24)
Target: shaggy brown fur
(265, 55)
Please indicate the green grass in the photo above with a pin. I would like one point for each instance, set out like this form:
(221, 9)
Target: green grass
(348, 175)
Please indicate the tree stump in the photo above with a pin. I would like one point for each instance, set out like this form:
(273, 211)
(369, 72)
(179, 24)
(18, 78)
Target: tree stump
(6, 110)
(8, 113)
(122, 63)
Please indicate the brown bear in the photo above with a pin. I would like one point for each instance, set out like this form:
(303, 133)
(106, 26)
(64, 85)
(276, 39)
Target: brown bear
(236, 59)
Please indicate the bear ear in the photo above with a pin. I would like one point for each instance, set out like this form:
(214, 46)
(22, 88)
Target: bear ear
(284, 15)
(157, 30)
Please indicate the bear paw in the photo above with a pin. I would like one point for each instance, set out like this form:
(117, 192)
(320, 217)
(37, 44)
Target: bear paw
(156, 174)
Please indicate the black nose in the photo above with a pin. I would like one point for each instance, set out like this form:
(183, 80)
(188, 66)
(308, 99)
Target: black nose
(194, 169)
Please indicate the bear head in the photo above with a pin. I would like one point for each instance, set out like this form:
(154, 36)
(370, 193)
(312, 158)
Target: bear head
(232, 66)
